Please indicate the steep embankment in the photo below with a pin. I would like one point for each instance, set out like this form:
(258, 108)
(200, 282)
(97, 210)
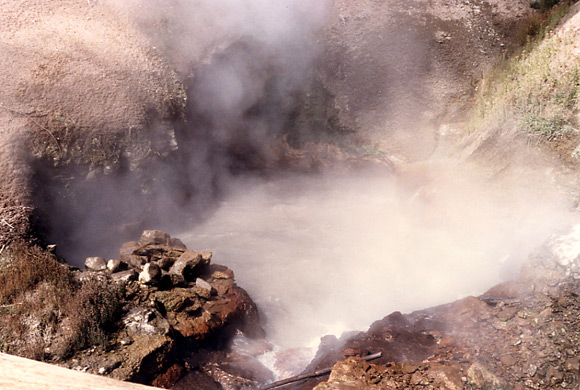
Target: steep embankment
(398, 68)
(521, 334)
(83, 89)
(532, 96)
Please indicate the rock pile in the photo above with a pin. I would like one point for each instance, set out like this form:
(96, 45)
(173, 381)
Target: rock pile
(522, 334)
(175, 302)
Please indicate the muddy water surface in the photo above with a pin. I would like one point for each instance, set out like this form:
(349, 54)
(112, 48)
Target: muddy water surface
(323, 255)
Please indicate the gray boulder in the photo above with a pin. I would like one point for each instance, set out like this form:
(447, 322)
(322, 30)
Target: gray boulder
(186, 264)
(154, 237)
(127, 249)
(206, 257)
(96, 264)
(124, 276)
(203, 288)
(114, 265)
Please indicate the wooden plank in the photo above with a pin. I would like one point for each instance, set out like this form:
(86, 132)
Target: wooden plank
(17, 373)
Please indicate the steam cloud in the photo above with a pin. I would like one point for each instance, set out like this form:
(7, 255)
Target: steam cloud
(243, 64)
(324, 255)
(318, 254)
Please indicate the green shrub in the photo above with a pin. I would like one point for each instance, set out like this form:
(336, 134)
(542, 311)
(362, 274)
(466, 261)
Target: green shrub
(549, 128)
(537, 88)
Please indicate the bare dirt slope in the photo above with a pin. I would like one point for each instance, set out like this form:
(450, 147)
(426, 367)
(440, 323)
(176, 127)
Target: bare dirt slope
(399, 68)
(78, 81)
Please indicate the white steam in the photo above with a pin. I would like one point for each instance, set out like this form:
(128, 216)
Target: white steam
(323, 255)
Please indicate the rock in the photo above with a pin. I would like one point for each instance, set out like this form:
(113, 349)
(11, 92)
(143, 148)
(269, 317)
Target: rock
(352, 373)
(95, 264)
(197, 380)
(154, 237)
(169, 377)
(508, 360)
(204, 289)
(572, 364)
(175, 279)
(480, 377)
(152, 252)
(107, 366)
(135, 261)
(151, 274)
(188, 299)
(114, 265)
(234, 311)
(554, 375)
(186, 264)
(145, 358)
(178, 299)
(206, 257)
(177, 243)
(125, 276)
(144, 321)
(127, 250)
(166, 262)
(238, 372)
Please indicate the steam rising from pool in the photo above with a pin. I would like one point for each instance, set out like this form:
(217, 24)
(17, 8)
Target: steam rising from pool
(326, 254)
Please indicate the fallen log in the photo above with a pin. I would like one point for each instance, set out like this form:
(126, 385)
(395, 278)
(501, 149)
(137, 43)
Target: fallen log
(314, 374)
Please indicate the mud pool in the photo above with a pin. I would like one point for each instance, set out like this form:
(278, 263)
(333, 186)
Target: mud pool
(325, 255)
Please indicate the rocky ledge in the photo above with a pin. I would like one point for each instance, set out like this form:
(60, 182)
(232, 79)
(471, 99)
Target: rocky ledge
(178, 314)
(523, 334)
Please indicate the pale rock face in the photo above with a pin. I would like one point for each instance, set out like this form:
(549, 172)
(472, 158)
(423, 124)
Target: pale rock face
(114, 265)
(96, 264)
(125, 276)
(154, 237)
(203, 286)
(186, 263)
(151, 274)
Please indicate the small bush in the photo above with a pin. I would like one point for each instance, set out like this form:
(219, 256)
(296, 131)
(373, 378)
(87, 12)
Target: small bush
(547, 128)
(22, 267)
(91, 314)
(45, 312)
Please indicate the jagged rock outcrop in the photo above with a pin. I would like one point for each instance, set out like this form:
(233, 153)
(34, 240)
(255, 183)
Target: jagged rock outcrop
(175, 302)
(522, 334)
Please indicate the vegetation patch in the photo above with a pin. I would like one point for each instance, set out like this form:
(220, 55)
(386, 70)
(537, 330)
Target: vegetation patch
(45, 312)
(537, 88)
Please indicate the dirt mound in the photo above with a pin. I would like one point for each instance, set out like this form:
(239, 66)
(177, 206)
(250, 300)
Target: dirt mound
(79, 84)
(399, 68)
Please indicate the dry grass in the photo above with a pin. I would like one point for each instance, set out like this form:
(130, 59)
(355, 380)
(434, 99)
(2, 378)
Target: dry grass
(537, 88)
(44, 312)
